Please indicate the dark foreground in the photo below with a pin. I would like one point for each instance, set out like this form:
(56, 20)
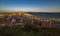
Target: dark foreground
(28, 30)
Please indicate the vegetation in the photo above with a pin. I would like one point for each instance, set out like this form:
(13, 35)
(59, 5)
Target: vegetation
(28, 30)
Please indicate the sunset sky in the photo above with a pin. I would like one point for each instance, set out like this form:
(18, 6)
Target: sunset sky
(30, 5)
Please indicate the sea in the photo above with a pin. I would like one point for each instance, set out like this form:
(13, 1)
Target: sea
(48, 15)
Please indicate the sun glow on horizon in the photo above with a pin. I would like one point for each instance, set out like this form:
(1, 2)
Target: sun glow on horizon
(29, 9)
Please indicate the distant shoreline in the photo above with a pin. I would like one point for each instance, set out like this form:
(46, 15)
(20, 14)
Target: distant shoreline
(25, 11)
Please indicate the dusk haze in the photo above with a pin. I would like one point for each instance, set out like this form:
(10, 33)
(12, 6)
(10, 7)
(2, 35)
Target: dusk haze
(29, 17)
(30, 5)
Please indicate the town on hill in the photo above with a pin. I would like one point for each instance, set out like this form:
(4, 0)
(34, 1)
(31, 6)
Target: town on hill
(23, 18)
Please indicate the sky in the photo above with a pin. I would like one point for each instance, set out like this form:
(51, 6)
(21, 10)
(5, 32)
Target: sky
(30, 5)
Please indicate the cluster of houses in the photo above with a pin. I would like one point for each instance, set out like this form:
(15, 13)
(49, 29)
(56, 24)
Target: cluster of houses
(23, 19)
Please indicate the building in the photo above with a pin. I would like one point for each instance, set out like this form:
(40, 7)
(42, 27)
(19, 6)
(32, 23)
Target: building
(46, 23)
